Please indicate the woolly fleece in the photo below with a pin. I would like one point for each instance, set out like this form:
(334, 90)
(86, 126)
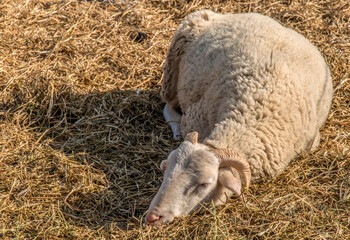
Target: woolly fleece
(246, 83)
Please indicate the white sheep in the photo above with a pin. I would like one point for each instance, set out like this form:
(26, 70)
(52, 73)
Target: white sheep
(253, 92)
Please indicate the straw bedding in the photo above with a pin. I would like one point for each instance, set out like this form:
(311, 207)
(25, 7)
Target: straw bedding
(82, 134)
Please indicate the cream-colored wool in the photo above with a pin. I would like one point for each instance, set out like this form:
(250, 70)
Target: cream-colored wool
(246, 83)
(256, 92)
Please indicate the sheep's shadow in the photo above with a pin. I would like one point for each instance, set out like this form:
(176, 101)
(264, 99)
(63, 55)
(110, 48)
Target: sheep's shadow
(122, 134)
(116, 141)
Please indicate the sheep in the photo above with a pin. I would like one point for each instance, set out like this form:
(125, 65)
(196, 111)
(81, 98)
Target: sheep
(248, 95)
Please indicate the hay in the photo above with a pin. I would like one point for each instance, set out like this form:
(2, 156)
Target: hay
(82, 133)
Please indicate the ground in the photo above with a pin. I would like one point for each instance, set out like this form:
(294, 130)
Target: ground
(82, 133)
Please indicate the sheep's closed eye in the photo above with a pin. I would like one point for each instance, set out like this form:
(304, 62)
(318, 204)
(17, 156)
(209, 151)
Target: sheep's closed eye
(201, 187)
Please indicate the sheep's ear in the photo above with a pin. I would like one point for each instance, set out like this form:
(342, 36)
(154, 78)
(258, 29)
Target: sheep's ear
(230, 182)
(229, 158)
(163, 164)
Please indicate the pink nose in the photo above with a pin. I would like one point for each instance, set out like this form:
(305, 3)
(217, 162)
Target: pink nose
(151, 218)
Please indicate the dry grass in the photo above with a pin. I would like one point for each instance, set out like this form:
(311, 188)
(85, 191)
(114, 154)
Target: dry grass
(82, 133)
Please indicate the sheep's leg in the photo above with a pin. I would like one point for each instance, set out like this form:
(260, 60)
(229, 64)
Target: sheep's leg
(173, 118)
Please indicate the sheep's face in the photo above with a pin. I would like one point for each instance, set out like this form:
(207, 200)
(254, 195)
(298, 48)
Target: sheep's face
(190, 178)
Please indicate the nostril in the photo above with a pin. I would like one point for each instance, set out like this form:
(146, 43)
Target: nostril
(152, 218)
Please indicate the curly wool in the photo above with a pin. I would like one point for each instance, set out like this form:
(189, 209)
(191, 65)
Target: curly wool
(246, 83)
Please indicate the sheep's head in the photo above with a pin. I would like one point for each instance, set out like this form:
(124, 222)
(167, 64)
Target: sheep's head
(194, 174)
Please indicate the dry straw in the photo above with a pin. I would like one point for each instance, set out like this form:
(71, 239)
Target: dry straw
(82, 133)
